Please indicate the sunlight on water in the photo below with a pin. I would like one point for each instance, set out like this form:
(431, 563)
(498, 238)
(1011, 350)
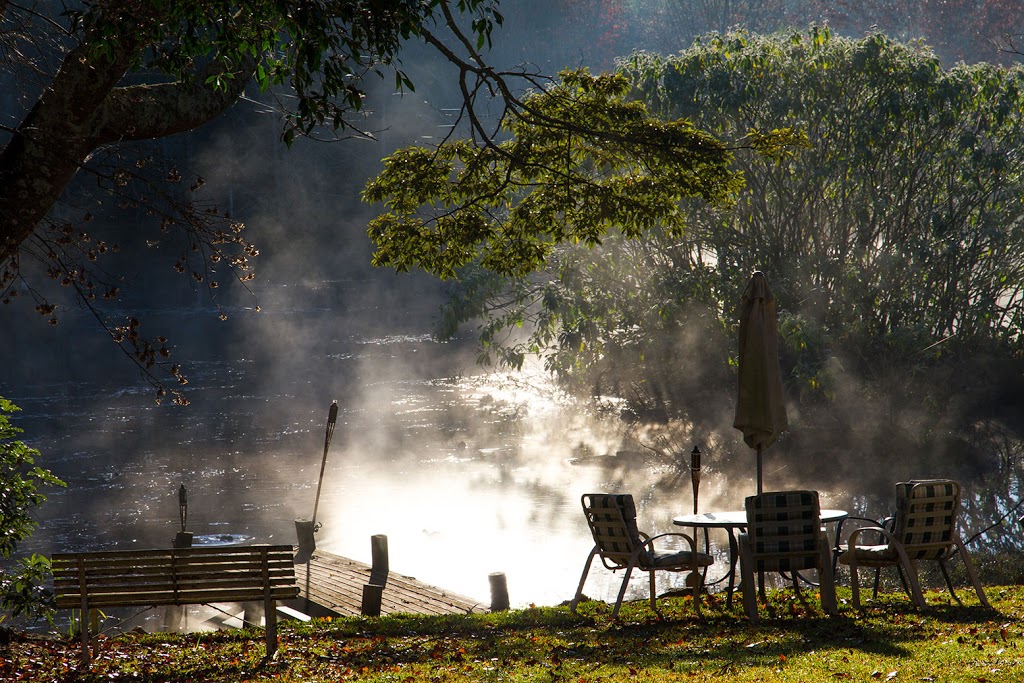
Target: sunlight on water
(454, 517)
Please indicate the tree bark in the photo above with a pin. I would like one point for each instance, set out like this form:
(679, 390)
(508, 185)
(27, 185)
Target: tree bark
(83, 109)
(51, 143)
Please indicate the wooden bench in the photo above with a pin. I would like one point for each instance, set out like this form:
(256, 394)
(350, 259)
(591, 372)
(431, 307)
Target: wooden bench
(175, 576)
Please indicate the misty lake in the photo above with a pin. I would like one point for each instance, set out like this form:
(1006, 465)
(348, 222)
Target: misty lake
(466, 472)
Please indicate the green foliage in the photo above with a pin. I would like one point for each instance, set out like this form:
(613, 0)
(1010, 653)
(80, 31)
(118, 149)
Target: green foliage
(904, 213)
(581, 161)
(319, 50)
(21, 481)
(23, 591)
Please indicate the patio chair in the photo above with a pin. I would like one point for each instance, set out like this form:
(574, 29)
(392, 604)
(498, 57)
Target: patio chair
(612, 521)
(784, 534)
(925, 527)
(850, 524)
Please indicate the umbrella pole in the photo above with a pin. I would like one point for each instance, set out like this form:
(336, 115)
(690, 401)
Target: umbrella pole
(759, 485)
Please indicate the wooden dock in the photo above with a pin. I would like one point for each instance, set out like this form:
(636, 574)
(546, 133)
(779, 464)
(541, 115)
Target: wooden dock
(331, 585)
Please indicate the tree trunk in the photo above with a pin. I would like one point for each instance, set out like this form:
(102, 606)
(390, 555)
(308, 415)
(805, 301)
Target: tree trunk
(51, 144)
(81, 110)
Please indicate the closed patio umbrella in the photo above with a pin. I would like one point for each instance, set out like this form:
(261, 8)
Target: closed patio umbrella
(761, 406)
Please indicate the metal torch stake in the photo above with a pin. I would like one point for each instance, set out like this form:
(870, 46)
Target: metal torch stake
(694, 579)
(695, 474)
(183, 539)
(182, 506)
(332, 418)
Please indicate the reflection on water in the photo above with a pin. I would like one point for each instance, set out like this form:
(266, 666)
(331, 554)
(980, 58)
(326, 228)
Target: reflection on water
(220, 539)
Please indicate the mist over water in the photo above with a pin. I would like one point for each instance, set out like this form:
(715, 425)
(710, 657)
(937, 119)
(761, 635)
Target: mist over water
(466, 472)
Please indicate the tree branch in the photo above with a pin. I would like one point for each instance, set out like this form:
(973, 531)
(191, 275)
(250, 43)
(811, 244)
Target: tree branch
(142, 112)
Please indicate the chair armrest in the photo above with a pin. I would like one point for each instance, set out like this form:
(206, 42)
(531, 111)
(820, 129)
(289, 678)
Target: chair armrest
(649, 540)
(872, 524)
(885, 533)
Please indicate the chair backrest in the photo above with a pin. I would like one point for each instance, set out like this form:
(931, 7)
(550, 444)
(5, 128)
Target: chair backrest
(784, 530)
(612, 521)
(926, 517)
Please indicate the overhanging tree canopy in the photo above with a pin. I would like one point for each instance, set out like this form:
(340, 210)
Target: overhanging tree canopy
(579, 160)
(106, 73)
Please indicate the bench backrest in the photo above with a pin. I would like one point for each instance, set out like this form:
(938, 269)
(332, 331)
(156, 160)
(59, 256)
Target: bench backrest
(174, 576)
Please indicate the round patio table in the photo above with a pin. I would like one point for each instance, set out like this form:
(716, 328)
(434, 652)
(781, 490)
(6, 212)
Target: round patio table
(734, 521)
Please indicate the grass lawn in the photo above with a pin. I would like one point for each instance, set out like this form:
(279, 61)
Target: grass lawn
(887, 641)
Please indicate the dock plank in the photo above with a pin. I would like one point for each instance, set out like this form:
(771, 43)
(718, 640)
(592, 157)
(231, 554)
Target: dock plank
(332, 585)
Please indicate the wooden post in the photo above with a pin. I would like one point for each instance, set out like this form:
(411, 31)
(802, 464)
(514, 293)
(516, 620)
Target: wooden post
(499, 592)
(86, 613)
(269, 606)
(174, 615)
(307, 543)
(379, 552)
(372, 595)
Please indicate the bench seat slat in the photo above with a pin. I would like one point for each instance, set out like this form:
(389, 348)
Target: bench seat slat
(197, 596)
(98, 573)
(154, 564)
(219, 551)
(168, 586)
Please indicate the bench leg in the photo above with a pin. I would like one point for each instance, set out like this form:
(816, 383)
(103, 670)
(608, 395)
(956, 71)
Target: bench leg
(89, 623)
(84, 628)
(270, 616)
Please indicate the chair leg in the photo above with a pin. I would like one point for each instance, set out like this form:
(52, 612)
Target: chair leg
(855, 582)
(903, 580)
(915, 586)
(949, 582)
(583, 580)
(749, 585)
(654, 594)
(827, 583)
(698, 583)
(878, 580)
(972, 573)
(622, 591)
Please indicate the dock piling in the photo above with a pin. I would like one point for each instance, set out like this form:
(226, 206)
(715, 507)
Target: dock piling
(499, 592)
